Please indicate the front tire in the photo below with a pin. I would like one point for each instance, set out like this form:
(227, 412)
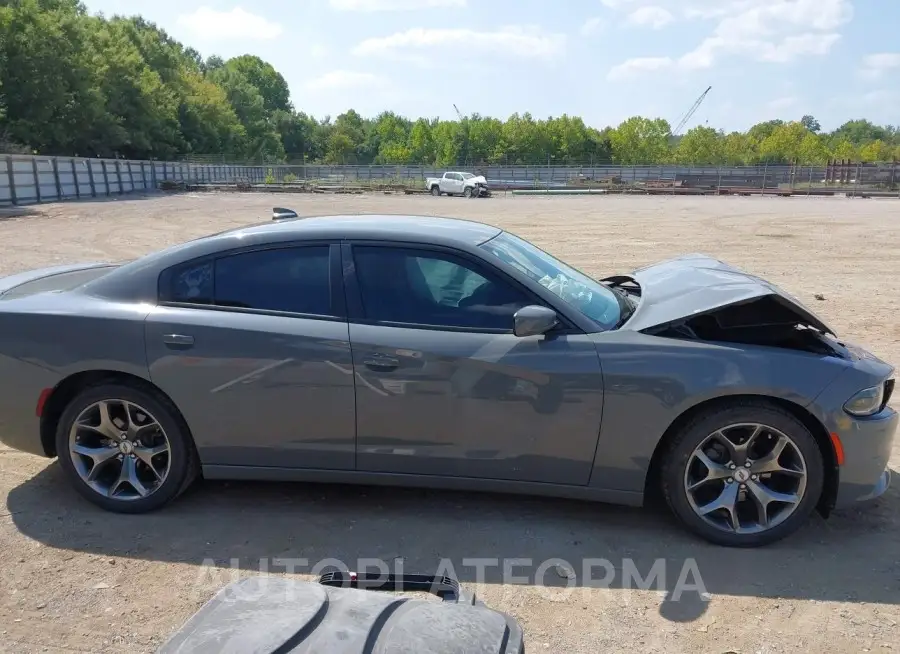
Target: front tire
(743, 475)
(436, 191)
(125, 449)
(468, 192)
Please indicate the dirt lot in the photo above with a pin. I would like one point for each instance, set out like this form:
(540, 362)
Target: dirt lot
(77, 579)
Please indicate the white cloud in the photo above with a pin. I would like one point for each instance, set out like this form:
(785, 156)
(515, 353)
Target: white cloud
(393, 5)
(876, 65)
(632, 67)
(775, 31)
(880, 97)
(592, 26)
(652, 16)
(319, 51)
(514, 41)
(346, 79)
(782, 103)
(211, 25)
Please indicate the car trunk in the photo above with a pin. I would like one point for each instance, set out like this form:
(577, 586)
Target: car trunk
(55, 278)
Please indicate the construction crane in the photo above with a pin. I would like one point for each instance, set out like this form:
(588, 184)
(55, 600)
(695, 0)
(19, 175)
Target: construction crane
(458, 114)
(689, 113)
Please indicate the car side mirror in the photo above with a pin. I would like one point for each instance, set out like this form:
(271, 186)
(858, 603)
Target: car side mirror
(534, 320)
(280, 213)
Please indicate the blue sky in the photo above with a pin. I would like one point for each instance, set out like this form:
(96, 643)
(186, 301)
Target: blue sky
(603, 60)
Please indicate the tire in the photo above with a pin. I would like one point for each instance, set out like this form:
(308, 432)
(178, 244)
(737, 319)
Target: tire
(467, 192)
(436, 191)
(180, 461)
(801, 451)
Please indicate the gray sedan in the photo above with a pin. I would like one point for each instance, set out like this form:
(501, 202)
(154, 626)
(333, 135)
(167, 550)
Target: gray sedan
(441, 353)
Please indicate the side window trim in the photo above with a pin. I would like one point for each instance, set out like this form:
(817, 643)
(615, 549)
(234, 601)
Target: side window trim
(356, 312)
(335, 281)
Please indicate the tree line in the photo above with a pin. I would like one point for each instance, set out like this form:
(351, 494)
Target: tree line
(76, 84)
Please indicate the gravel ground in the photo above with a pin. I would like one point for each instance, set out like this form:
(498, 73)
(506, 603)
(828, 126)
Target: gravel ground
(76, 579)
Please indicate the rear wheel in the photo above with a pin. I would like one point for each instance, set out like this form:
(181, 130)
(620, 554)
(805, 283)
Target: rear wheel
(743, 475)
(125, 449)
(435, 190)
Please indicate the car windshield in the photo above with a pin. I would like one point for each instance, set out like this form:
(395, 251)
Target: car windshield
(467, 175)
(589, 296)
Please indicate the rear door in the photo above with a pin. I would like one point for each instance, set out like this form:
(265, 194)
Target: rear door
(443, 385)
(253, 348)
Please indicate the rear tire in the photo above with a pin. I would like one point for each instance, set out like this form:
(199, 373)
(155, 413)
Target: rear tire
(137, 458)
(693, 488)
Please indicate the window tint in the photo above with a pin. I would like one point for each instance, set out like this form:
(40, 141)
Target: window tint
(289, 279)
(418, 287)
(192, 283)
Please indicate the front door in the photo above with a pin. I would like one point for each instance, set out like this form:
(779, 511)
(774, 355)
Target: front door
(253, 348)
(456, 184)
(443, 387)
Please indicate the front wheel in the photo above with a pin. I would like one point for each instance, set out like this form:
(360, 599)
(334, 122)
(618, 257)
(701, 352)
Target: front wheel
(744, 475)
(435, 191)
(125, 449)
(468, 192)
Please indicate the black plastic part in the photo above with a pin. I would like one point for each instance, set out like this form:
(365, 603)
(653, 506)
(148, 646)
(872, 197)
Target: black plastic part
(277, 615)
(447, 588)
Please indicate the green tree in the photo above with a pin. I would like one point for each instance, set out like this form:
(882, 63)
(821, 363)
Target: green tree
(640, 140)
(876, 150)
(812, 150)
(267, 81)
(50, 89)
(701, 145)
(262, 138)
(484, 137)
(843, 149)
(861, 131)
(209, 123)
(738, 149)
(810, 123)
(421, 143)
(783, 145)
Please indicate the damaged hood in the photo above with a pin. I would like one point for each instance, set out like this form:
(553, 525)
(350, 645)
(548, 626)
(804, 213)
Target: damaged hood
(696, 284)
(478, 179)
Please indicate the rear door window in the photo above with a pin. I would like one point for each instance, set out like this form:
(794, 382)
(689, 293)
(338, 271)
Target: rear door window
(293, 280)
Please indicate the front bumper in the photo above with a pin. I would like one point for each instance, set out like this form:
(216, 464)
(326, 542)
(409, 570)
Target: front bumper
(867, 444)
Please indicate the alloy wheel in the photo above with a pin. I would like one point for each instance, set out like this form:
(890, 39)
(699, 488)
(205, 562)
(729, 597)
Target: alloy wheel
(119, 449)
(745, 478)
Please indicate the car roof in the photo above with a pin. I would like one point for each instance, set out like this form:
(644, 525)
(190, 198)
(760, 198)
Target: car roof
(139, 277)
(424, 229)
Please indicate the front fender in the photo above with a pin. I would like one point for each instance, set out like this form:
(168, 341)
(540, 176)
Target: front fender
(650, 381)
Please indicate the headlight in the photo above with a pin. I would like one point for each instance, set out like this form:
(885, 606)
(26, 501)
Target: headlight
(867, 402)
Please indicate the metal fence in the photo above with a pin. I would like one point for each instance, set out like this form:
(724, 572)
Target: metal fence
(839, 173)
(28, 179)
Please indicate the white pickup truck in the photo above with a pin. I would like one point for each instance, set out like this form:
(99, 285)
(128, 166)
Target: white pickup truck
(454, 183)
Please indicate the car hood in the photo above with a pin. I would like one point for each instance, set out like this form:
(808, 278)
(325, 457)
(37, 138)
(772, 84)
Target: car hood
(478, 179)
(695, 284)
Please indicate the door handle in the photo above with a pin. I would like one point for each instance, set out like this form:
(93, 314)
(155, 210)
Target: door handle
(178, 340)
(383, 363)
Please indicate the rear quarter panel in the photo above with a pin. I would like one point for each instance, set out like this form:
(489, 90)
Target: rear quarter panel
(650, 381)
(46, 338)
